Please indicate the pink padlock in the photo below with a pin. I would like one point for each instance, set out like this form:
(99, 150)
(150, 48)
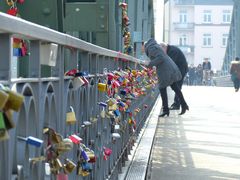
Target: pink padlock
(110, 76)
(20, 1)
(107, 151)
(115, 84)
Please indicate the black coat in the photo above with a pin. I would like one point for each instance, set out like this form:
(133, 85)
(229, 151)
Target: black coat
(167, 70)
(178, 57)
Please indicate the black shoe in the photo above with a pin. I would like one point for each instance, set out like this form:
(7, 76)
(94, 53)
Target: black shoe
(184, 108)
(163, 114)
(174, 107)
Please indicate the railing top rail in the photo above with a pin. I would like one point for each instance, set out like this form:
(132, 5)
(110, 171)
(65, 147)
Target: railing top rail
(29, 30)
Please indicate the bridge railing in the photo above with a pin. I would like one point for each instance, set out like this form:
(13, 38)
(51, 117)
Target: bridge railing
(47, 100)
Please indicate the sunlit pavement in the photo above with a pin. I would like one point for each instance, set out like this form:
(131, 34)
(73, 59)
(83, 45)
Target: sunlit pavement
(202, 144)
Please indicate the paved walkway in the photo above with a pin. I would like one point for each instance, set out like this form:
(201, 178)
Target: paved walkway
(203, 144)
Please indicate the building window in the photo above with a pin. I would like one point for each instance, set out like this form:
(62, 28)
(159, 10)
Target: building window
(224, 40)
(183, 17)
(207, 16)
(226, 16)
(183, 40)
(207, 40)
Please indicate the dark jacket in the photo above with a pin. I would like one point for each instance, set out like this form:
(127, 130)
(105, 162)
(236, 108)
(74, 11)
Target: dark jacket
(167, 70)
(178, 57)
(235, 69)
(206, 65)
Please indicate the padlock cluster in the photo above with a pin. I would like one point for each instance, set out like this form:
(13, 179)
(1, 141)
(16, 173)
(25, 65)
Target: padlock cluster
(125, 29)
(121, 88)
(9, 101)
(20, 46)
(55, 158)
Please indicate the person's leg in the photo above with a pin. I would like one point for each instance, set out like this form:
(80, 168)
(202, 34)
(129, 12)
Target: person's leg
(176, 104)
(163, 92)
(237, 85)
(183, 103)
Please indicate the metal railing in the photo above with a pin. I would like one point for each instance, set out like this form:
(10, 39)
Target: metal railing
(47, 100)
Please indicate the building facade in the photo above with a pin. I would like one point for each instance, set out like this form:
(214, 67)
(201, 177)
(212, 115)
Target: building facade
(200, 28)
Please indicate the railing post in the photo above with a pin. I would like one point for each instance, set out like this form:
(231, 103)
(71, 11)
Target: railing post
(34, 69)
(5, 57)
(71, 61)
(84, 61)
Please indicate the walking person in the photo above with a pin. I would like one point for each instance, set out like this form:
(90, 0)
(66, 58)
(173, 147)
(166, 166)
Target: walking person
(180, 60)
(199, 74)
(168, 75)
(235, 73)
(206, 71)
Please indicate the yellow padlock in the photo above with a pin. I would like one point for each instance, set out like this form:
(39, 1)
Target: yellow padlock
(69, 166)
(3, 99)
(102, 87)
(134, 72)
(8, 119)
(111, 101)
(15, 101)
(71, 117)
(57, 164)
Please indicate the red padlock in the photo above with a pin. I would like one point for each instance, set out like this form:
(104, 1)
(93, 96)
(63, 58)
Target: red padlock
(24, 49)
(107, 151)
(13, 11)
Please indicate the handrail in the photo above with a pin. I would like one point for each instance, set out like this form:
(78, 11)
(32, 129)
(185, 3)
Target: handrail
(31, 30)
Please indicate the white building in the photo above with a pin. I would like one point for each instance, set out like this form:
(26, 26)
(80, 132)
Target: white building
(200, 28)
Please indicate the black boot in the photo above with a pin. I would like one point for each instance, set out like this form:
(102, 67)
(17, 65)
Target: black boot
(165, 112)
(184, 108)
(174, 106)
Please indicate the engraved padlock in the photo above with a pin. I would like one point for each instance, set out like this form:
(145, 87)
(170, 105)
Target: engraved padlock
(71, 117)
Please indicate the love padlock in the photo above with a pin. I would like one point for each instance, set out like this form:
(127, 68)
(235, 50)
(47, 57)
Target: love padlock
(57, 164)
(116, 113)
(69, 166)
(102, 87)
(91, 155)
(64, 146)
(71, 117)
(75, 139)
(15, 100)
(20, 1)
(110, 76)
(107, 151)
(61, 176)
(3, 99)
(86, 166)
(24, 50)
(34, 141)
(71, 72)
(13, 11)
(78, 82)
(84, 154)
(111, 101)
